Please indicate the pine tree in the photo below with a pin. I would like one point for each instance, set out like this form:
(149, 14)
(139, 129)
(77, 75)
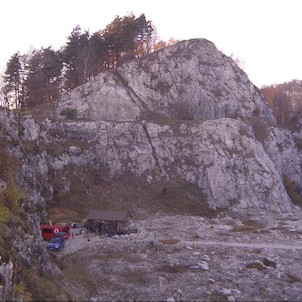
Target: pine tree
(77, 57)
(43, 76)
(98, 51)
(12, 80)
(40, 75)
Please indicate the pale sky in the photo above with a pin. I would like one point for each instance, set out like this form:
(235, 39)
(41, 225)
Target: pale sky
(265, 34)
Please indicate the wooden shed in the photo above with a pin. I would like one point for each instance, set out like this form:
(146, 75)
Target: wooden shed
(101, 222)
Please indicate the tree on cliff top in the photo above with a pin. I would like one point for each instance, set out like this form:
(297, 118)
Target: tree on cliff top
(12, 79)
(44, 73)
(285, 100)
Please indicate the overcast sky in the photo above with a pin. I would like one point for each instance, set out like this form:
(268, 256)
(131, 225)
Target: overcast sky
(264, 34)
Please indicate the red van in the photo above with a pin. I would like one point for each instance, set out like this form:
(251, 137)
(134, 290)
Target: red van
(50, 231)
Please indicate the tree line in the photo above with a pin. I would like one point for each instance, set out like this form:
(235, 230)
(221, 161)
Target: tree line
(41, 74)
(285, 100)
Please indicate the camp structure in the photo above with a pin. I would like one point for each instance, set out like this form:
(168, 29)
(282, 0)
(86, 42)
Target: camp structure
(102, 222)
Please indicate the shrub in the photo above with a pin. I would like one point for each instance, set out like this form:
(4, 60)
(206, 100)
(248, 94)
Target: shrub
(21, 293)
(45, 288)
(169, 241)
(69, 113)
(292, 191)
(3, 213)
(298, 144)
(260, 128)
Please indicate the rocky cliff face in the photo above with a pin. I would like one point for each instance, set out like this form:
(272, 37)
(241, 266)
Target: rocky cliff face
(222, 157)
(186, 115)
(217, 134)
(191, 80)
(231, 150)
(204, 124)
(21, 246)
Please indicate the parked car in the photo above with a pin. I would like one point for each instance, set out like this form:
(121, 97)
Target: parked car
(56, 243)
(50, 231)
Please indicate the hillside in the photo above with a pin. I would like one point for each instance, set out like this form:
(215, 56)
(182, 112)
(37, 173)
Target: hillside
(180, 132)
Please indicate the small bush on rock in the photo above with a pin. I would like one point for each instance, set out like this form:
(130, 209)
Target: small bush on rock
(292, 191)
(69, 113)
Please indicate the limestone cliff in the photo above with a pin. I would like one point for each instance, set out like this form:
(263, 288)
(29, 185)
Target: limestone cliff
(224, 142)
(222, 157)
(191, 80)
(206, 124)
(23, 256)
(186, 116)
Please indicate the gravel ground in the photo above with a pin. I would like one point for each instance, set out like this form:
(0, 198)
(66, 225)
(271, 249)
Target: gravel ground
(250, 256)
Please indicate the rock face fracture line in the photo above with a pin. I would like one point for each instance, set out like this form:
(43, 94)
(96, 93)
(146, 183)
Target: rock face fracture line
(132, 94)
(157, 164)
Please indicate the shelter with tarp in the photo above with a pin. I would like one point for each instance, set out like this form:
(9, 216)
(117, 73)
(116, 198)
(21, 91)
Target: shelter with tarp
(102, 222)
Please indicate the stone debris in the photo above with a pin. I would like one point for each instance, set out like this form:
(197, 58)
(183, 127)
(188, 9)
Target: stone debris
(226, 292)
(237, 272)
(203, 265)
(269, 262)
(205, 257)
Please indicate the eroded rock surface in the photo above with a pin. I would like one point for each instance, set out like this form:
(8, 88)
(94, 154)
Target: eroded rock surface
(222, 157)
(205, 124)
(189, 80)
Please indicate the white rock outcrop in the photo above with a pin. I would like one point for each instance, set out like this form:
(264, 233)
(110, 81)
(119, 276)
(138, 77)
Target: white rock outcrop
(190, 80)
(222, 157)
(186, 113)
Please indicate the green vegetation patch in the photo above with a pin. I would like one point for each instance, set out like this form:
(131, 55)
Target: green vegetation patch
(3, 213)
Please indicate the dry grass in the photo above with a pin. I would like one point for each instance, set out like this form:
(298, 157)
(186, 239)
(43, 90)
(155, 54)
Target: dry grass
(169, 241)
(292, 278)
(46, 288)
(175, 269)
(260, 128)
(134, 276)
(96, 274)
(41, 111)
(77, 273)
(129, 193)
(249, 226)
(61, 215)
(79, 278)
(257, 265)
(245, 229)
